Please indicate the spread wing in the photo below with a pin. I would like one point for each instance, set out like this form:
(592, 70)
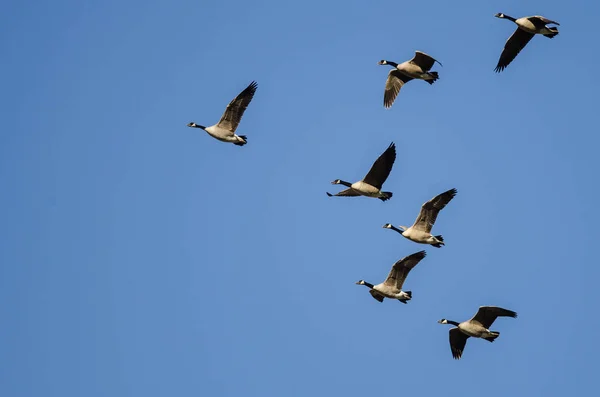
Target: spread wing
(394, 82)
(381, 168)
(424, 61)
(512, 48)
(486, 315)
(401, 269)
(376, 295)
(431, 209)
(458, 340)
(235, 110)
(542, 21)
(345, 193)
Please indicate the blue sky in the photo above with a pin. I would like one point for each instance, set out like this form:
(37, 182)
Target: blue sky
(144, 258)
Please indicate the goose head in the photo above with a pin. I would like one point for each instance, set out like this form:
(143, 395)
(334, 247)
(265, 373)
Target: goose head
(360, 282)
(194, 125)
(382, 62)
(500, 15)
(444, 321)
(336, 182)
(398, 229)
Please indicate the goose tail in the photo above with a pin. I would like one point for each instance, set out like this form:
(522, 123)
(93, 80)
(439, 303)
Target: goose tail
(554, 32)
(493, 336)
(386, 196)
(242, 140)
(434, 76)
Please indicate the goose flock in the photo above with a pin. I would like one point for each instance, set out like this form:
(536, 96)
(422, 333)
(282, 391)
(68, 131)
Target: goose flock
(417, 68)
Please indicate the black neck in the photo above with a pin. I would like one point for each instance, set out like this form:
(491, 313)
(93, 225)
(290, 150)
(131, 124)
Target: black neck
(452, 322)
(198, 126)
(509, 18)
(394, 64)
(345, 183)
(369, 285)
(396, 229)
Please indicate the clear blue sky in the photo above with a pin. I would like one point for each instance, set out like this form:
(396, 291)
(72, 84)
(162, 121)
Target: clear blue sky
(140, 257)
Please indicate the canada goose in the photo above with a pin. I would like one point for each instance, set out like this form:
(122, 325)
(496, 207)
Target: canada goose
(527, 27)
(416, 68)
(224, 130)
(477, 327)
(370, 185)
(392, 286)
(420, 231)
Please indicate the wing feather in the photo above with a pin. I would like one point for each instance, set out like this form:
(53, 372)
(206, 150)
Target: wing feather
(376, 295)
(431, 209)
(393, 84)
(401, 268)
(458, 340)
(424, 61)
(544, 20)
(345, 193)
(512, 48)
(486, 315)
(381, 168)
(236, 108)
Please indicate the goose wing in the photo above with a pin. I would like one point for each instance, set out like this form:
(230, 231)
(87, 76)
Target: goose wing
(235, 110)
(424, 61)
(376, 295)
(345, 193)
(542, 19)
(458, 340)
(430, 210)
(512, 48)
(394, 82)
(486, 315)
(401, 269)
(381, 168)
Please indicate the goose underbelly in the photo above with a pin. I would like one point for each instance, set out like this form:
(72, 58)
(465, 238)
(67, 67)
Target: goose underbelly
(476, 332)
(417, 236)
(527, 26)
(390, 293)
(220, 133)
(365, 189)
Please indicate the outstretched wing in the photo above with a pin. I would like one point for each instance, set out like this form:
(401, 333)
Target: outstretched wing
(512, 48)
(235, 110)
(381, 168)
(424, 61)
(431, 209)
(458, 340)
(401, 268)
(486, 315)
(345, 193)
(543, 20)
(393, 84)
(376, 295)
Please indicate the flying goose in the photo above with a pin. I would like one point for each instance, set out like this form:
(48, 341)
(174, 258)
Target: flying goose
(370, 185)
(527, 27)
(224, 130)
(477, 327)
(416, 68)
(420, 231)
(392, 286)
